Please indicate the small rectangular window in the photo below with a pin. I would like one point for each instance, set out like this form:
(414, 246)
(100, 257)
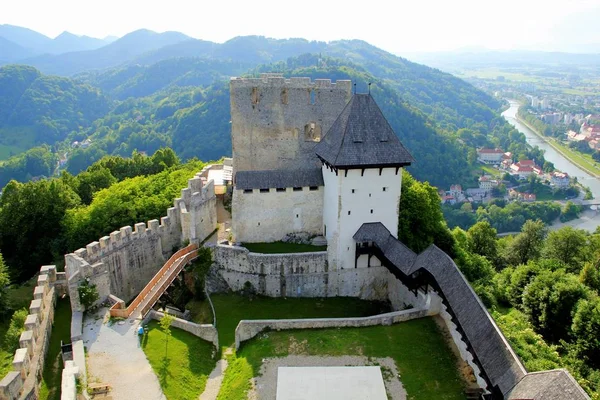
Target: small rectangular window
(247, 190)
(369, 194)
(264, 190)
(353, 190)
(281, 189)
(297, 189)
(371, 211)
(348, 212)
(385, 189)
(313, 188)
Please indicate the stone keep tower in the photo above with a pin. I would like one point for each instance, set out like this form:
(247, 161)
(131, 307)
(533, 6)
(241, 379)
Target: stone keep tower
(361, 162)
(276, 122)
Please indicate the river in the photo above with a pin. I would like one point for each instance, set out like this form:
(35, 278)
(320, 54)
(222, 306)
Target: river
(590, 219)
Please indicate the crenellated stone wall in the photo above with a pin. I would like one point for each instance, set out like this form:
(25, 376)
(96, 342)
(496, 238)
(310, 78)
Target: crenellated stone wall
(24, 380)
(125, 261)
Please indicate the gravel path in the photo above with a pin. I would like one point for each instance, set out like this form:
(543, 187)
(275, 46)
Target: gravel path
(264, 387)
(116, 358)
(213, 385)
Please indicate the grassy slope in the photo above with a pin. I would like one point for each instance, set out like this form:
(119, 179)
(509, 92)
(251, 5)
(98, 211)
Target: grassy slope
(427, 366)
(183, 366)
(61, 330)
(231, 308)
(280, 247)
(20, 296)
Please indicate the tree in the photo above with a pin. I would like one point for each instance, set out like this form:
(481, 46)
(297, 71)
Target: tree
(165, 324)
(549, 301)
(527, 245)
(421, 222)
(567, 245)
(570, 211)
(590, 276)
(482, 240)
(4, 282)
(586, 330)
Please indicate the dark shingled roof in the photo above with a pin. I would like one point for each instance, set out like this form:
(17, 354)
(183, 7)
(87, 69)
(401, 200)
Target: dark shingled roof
(278, 179)
(361, 137)
(557, 384)
(496, 357)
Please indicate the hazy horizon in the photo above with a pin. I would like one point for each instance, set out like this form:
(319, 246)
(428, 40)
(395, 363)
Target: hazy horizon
(426, 26)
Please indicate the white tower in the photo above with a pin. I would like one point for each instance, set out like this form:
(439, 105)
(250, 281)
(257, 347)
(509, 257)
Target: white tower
(362, 160)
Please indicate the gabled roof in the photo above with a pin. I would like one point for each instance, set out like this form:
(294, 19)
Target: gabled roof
(361, 137)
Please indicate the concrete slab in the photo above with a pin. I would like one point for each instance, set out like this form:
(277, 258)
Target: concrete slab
(330, 383)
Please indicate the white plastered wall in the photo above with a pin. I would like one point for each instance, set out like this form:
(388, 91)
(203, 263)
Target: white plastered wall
(353, 198)
(268, 217)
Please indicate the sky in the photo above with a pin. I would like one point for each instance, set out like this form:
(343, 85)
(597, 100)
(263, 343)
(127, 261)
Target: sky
(399, 26)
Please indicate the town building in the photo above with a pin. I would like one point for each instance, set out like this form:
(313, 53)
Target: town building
(490, 156)
(487, 183)
(522, 169)
(560, 180)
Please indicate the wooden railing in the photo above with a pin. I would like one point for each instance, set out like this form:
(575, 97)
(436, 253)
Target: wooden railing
(169, 271)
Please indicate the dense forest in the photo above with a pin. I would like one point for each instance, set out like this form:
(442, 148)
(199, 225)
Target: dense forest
(177, 95)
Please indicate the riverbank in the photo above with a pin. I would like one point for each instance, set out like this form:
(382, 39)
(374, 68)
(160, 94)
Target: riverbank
(593, 171)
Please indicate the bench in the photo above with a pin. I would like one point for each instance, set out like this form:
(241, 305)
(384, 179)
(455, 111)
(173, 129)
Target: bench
(97, 388)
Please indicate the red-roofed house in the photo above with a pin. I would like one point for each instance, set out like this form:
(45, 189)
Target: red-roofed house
(522, 168)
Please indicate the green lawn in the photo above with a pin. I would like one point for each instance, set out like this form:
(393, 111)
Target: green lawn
(583, 160)
(183, 365)
(61, 330)
(231, 308)
(427, 366)
(281, 247)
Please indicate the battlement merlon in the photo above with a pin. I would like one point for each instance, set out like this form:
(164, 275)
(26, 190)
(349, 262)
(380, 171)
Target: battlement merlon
(278, 81)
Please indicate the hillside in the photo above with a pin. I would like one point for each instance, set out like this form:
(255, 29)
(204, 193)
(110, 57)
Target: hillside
(111, 55)
(47, 107)
(162, 99)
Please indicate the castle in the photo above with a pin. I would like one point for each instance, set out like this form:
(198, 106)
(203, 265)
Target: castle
(310, 158)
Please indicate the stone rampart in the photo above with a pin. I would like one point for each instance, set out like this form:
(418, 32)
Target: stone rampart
(247, 329)
(123, 262)
(24, 380)
(308, 275)
(204, 331)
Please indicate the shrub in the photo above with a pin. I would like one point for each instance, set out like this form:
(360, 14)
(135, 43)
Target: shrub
(11, 339)
(88, 294)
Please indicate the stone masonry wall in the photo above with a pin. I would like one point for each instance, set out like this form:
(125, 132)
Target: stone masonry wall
(204, 331)
(268, 217)
(247, 329)
(124, 262)
(275, 122)
(24, 380)
(307, 275)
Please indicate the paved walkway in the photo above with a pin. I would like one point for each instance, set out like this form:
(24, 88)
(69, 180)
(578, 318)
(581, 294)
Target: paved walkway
(116, 358)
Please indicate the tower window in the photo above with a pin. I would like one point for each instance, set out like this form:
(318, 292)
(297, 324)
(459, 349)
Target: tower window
(297, 189)
(369, 194)
(284, 96)
(353, 190)
(313, 188)
(281, 189)
(297, 216)
(385, 189)
(264, 190)
(247, 190)
(371, 211)
(348, 212)
(312, 96)
(255, 96)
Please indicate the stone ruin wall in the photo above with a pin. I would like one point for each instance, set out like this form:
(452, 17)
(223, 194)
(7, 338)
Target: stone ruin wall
(276, 122)
(23, 382)
(124, 262)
